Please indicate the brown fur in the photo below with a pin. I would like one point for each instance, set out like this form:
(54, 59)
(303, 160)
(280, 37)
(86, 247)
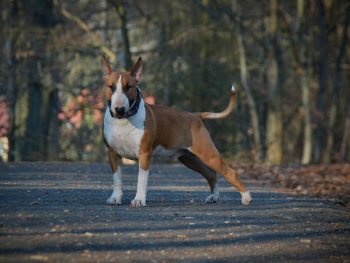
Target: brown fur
(187, 131)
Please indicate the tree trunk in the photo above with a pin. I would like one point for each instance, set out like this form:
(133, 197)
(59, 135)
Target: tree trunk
(203, 81)
(120, 8)
(323, 78)
(203, 50)
(41, 16)
(11, 94)
(33, 140)
(306, 99)
(52, 127)
(335, 91)
(275, 77)
(165, 33)
(303, 71)
(244, 79)
(345, 142)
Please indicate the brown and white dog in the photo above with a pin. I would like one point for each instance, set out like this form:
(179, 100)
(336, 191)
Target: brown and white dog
(134, 130)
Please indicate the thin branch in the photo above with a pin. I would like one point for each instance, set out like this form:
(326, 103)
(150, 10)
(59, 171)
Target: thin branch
(84, 26)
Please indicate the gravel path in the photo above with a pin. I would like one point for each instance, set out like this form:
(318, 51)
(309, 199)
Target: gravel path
(56, 212)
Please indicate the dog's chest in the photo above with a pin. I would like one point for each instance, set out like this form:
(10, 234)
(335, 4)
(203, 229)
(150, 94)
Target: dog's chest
(124, 135)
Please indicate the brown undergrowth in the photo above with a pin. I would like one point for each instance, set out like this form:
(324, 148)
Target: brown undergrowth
(323, 180)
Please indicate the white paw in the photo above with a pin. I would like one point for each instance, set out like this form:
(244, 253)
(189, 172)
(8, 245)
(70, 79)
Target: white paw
(114, 200)
(138, 203)
(213, 198)
(246, 198)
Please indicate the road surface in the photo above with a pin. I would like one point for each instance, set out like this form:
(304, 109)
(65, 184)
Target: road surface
(57, 212)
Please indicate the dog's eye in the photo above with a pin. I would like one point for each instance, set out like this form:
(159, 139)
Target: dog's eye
(127, 87)
(112, 87)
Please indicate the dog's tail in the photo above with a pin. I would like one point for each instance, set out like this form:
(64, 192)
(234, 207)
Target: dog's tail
(223, 114)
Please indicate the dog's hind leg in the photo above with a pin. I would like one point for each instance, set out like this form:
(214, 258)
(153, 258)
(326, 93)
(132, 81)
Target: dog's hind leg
(194, 163)
(204, 149)
(115, 161)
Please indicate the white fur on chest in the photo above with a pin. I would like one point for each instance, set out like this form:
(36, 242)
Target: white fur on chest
(124, 135)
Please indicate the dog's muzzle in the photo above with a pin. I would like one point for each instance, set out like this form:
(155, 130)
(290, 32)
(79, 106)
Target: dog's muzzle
(120, 111)
(117, 115)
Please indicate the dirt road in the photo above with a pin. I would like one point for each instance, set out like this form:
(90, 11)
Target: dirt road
(56, 212)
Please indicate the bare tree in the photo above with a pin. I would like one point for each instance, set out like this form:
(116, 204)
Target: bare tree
(121, 11)
(336, 86)
(275, 79)
(244, 80)
(9, 13)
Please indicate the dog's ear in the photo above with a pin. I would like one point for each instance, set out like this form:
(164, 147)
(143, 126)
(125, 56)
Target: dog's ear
(136, 70)
(106, 68)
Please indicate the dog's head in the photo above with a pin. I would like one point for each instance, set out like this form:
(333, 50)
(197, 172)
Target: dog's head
(121, 91)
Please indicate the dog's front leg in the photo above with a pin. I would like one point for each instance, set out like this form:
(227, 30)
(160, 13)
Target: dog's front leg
(140, 198)
(142, 180)
(115, 161)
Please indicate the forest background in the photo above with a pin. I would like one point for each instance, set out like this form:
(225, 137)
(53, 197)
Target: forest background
(289, 61)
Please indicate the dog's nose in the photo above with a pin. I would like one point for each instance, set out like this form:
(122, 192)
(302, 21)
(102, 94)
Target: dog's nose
(120, 110)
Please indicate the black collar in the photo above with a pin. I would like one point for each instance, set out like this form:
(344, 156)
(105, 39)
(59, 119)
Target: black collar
(133, 108)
